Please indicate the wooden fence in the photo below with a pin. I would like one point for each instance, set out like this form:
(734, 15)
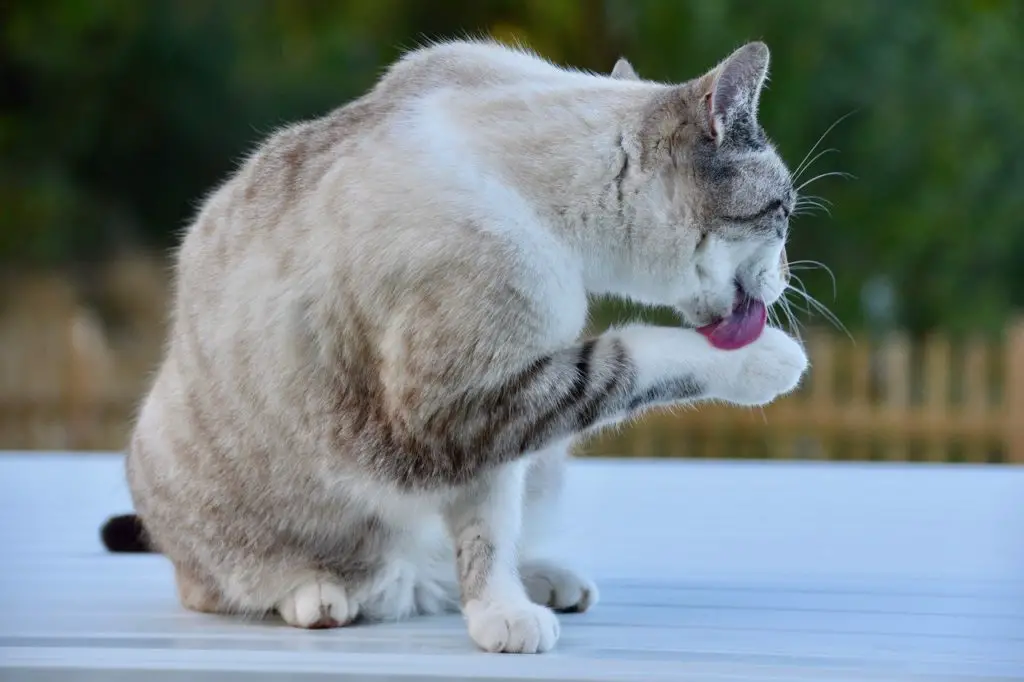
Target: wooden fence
(939, 399)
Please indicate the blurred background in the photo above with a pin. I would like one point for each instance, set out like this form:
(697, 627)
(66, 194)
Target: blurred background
(118, 116)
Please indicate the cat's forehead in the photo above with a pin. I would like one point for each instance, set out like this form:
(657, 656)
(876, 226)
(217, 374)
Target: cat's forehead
(736, 180)
(765, 168)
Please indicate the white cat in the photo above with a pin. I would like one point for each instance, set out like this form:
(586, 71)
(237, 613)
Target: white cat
(374, 370)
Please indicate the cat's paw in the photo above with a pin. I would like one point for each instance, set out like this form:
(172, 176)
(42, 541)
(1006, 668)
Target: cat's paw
(559, 588)
(766, 369)
(318, 604)
(517, 627)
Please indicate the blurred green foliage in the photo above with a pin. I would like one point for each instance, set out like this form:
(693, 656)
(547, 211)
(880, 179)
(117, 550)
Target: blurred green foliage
(118, 116)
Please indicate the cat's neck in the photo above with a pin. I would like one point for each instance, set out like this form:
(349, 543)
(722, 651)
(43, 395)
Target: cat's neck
(563, 148)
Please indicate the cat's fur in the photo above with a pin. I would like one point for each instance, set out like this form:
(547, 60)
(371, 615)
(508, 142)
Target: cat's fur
(374, 371)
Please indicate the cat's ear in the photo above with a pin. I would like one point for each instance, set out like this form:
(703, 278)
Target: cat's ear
(734, 86)
(710, 103)
(624, 71)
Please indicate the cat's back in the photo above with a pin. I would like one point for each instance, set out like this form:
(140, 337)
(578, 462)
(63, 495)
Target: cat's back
(331, 182)
(352, 197)
(297, 156)
(467, 65)
(275, 183)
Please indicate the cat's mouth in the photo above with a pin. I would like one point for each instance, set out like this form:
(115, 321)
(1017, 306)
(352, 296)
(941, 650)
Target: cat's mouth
(741, 327)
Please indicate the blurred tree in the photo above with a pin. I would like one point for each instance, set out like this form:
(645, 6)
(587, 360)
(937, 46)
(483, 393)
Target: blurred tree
(116, 117)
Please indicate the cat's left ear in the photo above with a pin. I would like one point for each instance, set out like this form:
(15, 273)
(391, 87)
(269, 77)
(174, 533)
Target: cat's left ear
(734, 86)
(624, 71)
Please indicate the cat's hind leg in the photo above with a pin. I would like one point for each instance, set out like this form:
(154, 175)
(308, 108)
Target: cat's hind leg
(318, 603)
(556, 586)
(548, 580)
(303, 595)
(196, 594)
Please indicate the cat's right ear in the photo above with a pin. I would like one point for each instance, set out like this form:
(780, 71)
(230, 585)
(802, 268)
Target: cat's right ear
(734, 86)
(709, 104)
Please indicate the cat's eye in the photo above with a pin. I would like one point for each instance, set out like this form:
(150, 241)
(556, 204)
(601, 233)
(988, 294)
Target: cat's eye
(776, 208)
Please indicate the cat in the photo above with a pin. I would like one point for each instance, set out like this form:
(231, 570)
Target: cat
(376, 365)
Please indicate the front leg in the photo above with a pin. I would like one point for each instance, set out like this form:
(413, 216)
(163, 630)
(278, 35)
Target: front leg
(498, 414)
(667, 366)
(485, 521)
(679, 365)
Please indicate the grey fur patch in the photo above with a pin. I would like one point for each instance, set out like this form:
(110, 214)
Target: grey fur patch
(685, 388)
(474, 556)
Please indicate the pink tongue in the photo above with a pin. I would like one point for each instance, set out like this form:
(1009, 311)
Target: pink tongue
(741, 328)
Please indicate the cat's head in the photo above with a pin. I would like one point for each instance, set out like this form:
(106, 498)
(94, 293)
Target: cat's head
(707, 196)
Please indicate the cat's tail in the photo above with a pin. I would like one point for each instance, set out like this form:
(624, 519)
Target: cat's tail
(125, 534)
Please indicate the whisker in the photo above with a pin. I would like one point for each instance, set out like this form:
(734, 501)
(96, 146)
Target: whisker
(810, 162)
(804, 213)
(813, 204)
(820, 176)
(794, 323)
(811, 207)
(813, 306)
(789, 287)
(800, 200)
(812, 263)
(790, 322)
(823, 310)
(799, 306)
(803, 165)
(819, 266)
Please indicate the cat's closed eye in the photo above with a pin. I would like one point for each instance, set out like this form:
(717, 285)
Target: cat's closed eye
(774, 209)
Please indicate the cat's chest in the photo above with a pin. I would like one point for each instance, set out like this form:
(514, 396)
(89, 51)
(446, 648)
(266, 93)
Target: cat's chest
(566, 315)
(552, 278)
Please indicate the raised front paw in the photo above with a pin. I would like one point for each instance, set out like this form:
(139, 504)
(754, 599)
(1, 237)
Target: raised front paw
(511, 627)
(766, 369)
(560, 588)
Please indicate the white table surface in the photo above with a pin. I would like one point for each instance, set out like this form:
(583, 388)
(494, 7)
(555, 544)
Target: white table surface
(709, 571)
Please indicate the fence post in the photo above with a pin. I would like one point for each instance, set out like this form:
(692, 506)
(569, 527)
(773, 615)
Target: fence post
(896, 355)
(74, 387)
(1014, 393)
(822, 393)
(89, 370)
(935, 390)
(977, 401)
